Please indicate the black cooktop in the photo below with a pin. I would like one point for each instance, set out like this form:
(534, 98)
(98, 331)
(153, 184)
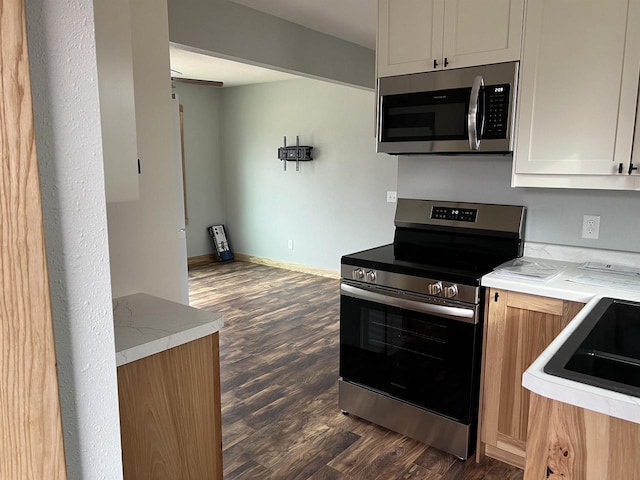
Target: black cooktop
(447, 241)
(439, 268)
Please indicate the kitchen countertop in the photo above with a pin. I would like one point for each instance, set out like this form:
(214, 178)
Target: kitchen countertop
(565, 287)
(145, 325)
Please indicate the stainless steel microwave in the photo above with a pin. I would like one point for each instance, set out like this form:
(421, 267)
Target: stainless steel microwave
(458, 111)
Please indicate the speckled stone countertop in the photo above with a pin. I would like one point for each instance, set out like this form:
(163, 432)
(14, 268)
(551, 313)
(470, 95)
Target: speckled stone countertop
(145, 325)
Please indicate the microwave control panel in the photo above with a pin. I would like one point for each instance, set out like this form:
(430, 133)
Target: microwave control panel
(496, 111)
(455, 214)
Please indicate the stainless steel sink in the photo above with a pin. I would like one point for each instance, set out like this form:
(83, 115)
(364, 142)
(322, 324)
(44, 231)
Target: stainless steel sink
(604, 350)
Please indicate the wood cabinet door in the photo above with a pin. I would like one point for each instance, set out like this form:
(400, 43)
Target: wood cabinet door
(409, 36)
(578, 89)
(481, 32)
(519, 327)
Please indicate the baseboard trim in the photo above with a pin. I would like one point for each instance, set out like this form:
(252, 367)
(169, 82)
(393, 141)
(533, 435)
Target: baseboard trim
(288, 266)
(201, 260)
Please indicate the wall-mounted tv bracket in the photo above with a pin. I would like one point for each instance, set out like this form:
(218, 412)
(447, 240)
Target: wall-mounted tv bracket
(299, 153)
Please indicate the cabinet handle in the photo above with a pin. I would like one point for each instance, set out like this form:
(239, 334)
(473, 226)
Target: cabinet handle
(435, 63)
(620, 168)
(446, 62)
(631, 167)
(496, 296)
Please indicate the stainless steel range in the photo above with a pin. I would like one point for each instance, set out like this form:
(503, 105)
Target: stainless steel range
(411, 319)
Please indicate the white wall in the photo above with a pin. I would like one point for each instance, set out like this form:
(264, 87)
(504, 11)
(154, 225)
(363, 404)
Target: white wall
(67, 123)
(553, 215)
(239, 32)
(143, 236)
(203, 163)
(335, 204)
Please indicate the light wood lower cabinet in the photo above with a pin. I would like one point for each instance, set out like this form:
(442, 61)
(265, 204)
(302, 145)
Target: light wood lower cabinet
(570, 442)
(170, 413)
(518, 327)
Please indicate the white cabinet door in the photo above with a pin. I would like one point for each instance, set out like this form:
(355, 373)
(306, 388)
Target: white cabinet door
(409, 36)
(479, 32)
(423, 35)
(117, 104)
(578, 93)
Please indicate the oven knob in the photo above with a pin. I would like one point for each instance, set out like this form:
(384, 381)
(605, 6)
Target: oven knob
(371, 275)
(358, 274)
(435, 288)
(451, 291)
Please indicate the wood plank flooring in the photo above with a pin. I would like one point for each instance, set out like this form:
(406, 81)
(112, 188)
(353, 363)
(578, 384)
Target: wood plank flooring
(279, 370)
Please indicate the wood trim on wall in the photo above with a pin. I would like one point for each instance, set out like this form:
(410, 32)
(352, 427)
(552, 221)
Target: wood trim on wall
(184, 168)
(202, 260)
(288, 266)
(31, 444)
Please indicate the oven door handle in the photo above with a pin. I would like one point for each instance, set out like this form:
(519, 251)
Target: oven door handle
(461, 314)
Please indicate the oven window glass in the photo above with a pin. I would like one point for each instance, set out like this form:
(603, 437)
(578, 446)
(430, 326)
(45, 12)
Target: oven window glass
(423, 359)
(429, 116)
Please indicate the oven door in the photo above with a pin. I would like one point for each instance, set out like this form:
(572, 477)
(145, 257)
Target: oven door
(424, 354)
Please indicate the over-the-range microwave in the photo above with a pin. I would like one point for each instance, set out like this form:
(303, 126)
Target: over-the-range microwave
(457, 111)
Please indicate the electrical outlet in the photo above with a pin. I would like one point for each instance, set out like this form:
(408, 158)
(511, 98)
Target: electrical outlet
(591, 226)
(290, 244)
(392, 197)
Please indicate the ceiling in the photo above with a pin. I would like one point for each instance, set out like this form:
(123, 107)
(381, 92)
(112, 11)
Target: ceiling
(351, 20)
(186, 63)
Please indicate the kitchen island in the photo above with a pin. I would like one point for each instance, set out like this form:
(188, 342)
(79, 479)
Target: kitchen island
(168, 388)
(568, 429)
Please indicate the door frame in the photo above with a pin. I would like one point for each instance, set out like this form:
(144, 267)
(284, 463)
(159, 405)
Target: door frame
(31, 444)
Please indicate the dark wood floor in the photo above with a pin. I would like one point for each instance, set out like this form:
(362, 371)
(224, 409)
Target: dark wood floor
(279, 372)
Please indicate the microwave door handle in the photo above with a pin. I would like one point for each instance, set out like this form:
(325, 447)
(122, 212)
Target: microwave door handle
(379, 121)
(472, 117)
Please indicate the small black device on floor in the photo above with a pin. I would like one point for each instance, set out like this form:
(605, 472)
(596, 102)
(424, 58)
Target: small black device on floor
(221, 244)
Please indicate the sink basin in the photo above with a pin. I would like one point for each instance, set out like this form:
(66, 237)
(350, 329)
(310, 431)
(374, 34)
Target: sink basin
(604, 350)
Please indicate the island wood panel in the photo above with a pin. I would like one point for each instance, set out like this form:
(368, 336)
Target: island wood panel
(31, 445)
(518, 328)
(170, 413)
(571, 443)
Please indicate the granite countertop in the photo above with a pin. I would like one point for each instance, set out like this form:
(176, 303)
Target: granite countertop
(565, 287)
(145, 325)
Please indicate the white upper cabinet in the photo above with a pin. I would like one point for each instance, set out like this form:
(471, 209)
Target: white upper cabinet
(423, 35)
(117, 103)
(578, 94)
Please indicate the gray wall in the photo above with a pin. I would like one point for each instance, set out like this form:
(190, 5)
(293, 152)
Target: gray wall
(553, 216)
(203, 162)
(235, 31)
(336, 203)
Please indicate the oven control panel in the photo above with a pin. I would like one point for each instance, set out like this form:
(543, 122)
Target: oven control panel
(439, 290)
(455, 214)
(428, 287)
